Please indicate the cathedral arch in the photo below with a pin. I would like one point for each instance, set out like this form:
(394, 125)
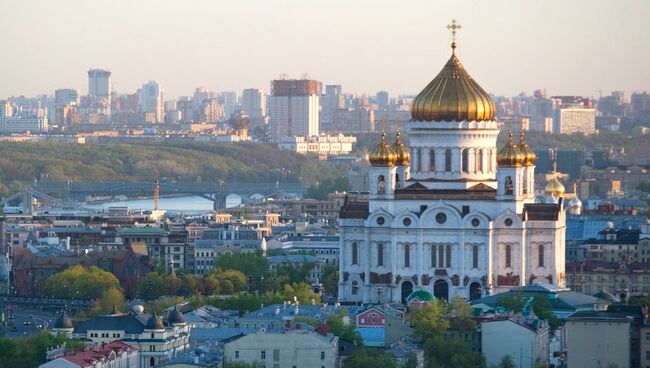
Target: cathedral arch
(475, 290)
(464, 160)
(430, 218)
(441, 289)
(483, 221)
(386, 222)
(407, 289)
(405, 219)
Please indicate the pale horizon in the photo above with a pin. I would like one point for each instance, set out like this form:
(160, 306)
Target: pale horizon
(509, 47)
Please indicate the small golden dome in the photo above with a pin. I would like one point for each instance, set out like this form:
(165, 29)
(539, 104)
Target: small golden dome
(524, 148)
(453, 96)
(509, 154)
(402, 154)
(554, 186)
(382, 155)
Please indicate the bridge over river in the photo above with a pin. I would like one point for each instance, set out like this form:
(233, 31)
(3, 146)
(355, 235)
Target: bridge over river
(70, 193)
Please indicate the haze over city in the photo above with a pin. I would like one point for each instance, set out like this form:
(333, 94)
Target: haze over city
(577, 47)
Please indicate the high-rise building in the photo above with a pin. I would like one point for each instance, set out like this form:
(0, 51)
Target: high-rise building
(151, 100)
(66, 97)
(185, 106)
(229, 101)
(382, 99)
(294, 107)
(211, 111)
(575, 120)
(99, 83)
(640, 103)
(253, 102)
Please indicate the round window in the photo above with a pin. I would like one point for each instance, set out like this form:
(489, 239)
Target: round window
(380, 220)
(407, 222)
(508, 222)
(475, 222)
(441, 218)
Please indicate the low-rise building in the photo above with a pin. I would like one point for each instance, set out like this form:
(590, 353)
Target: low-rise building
(295, 348)
(223, 239)
(525, 341)
(115, 354)
(598, 339)
(156, 339)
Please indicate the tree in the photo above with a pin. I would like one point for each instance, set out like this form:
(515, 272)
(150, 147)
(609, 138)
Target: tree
(543, 310)
(30, 351)
(446, 352)
(461, 315)
(300, 291)
(429, 320)
(345, 332)
(330, 279)
(78, 282)
(190, 285)
(111, 297)
(370, 358)
(507, 362)
(514, 303)
(152, 286)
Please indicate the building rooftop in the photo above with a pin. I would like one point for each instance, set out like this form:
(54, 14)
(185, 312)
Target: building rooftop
(142, 231)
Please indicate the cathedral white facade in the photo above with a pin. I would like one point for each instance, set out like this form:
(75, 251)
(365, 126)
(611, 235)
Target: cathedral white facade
(451, 215)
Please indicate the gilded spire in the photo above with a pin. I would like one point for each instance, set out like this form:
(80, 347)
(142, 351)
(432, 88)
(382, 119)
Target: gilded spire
(403, 157)
(453, 27)
(554, 186)
(383, 154)
(524, 148)
(509, 154)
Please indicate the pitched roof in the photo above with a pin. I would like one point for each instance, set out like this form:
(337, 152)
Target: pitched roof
(130, 324)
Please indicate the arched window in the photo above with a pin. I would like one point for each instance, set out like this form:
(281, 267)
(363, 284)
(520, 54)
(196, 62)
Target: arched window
(419, 159)
(441, 256)
(490, 160)
(434, 262)
(448, 256)
(381, 184)
(448, 160)
(524, 185)
(355, 288)
(540, 255)
(479, 161)
(380, 254)
(407, 255)
(508, 187)
(152, 361)
(432, 160)
(508, 256)
(474, 256)
(355, 253)
(397, 183)
(464, 160)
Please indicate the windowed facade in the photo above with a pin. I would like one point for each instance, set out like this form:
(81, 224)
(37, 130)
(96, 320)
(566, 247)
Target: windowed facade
(380, 254)
(448, 255)
(434, 257)
(464, 160)
(355, 253)
(432, 160)
(407, 255)
(474, 256)
(508, 250)
(540, 255)
(448, 160)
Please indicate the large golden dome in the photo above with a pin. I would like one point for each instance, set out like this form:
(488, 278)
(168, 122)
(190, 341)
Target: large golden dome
(401, 152)
(453, 96)
(524, 148)
(383, 154)
(509, 154)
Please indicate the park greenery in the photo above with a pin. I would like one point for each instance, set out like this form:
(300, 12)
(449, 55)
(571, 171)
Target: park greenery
(30, 351)
(541, 307)
(22, 163)
(370, 358)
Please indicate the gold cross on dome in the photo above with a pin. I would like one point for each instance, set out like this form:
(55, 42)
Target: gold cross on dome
(453, 27)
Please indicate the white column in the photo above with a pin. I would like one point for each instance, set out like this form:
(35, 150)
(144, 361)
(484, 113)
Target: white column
(455, 160)
(440, 159)
(492, 260)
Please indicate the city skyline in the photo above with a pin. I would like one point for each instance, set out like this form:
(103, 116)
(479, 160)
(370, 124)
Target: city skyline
(501, 42)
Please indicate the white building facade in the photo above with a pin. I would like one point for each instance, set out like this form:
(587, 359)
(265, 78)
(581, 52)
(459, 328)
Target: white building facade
(454, 216)
(151, 100)
(294, 108)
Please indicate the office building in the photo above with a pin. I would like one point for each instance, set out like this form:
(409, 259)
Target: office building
(382, 99)
(229, 101)
(254, 102)
(66, 97)
(640, 103)
(294, 108)
(575, 120)
(99, 83)
(151, 100)
(211, 111)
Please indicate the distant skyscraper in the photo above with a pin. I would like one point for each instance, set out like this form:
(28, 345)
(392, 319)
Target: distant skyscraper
(383, 99)
(229, 101)
(186, 108)
(640, 103)
(151, 100)
(333, 98)
(293, 108)
(66, 97)
(253, 102)
(211, 111)
(99, 83)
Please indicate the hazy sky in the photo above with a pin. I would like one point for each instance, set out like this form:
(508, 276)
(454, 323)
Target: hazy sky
(567, 47)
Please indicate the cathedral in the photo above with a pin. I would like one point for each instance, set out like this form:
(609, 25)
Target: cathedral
(451, 214)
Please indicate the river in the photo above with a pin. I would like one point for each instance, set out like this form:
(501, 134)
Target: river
(192, 204)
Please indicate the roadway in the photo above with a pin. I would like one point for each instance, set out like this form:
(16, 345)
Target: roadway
(36, 318)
